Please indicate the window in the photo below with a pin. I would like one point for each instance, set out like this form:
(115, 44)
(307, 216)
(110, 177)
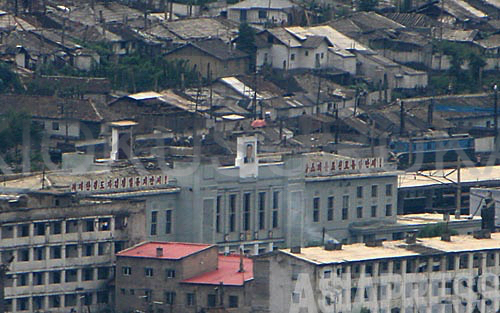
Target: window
(55, 252)
(104, 224)
(54, 301)
(7, 232)
(345, 207)
(246, 211)
(69, 300)
(71, 275)
(89, 225)
(71, 251)
(38, 278)
(22, 279)
(374, 191)
(359, 192)
(154, 221)
(169, 273)
(211, 300)
(88, 274)
(218, 204)
(388, 209)
(23, 230)
(292, 56)
(102, 248)
(330, 208)
(276, 203)
(22, 304)
(262, 210)
(39, 229)
(316, 203)
(374, 211)
(190, 299)
(23, 255)
(55, 277)
(295, 297)
(55, 126)
(232, 213)
(87, 299)
(322, 55)
(148, 271)
(38, 303)
(102, 297)
(71, 226)
(359, 212)
(262, 14)
(170, 297)
(233, 301)
(388, 190)
(327, 274)
(102, 272)
(306, 53)
(168, 221)
(88, 249)
(55, 228)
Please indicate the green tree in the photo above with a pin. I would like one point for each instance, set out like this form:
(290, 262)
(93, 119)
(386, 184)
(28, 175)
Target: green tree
(9, 81)
(368, 5)
(476, 64)
(435, 230)
(246, 42)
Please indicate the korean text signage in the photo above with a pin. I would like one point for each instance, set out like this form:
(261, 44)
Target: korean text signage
(119, 183)
(328, 166)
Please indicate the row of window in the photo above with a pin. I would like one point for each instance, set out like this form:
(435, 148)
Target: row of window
(189, 298)
(374, 191)
(413, 265)
(56, 301)
(316, 211)
(56, 252)
(168, 222)
(148, 272)
(56, 227)
(58, 277)
(246, 209)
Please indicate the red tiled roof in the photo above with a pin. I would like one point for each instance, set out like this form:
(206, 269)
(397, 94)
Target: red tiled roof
(171, 250)
(227, 272)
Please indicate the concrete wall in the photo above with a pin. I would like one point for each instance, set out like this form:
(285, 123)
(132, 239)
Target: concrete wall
(203, 62)
(67, 247)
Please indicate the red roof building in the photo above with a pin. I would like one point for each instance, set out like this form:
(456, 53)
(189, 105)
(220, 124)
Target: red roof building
(181, 277)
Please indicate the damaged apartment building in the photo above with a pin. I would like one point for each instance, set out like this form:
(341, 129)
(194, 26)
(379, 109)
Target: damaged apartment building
(60, 248)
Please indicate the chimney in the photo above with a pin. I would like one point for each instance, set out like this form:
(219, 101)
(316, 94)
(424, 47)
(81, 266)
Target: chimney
(159, 252)
(295, 250)
(401, 117)
(242, 268)
(331, 245)
(411, 238)
(430, 113)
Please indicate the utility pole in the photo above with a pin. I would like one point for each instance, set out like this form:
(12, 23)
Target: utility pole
(495, 115)
(459, 189)
(319, 92)
(254, 100)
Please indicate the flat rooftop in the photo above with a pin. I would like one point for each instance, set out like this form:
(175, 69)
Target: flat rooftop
(447, 176)
(431, 218)
(395, 249)
(170, 250)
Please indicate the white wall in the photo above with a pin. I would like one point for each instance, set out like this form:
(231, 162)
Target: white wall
(346, 63)
(73, 128)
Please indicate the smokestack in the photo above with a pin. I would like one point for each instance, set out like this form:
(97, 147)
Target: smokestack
(402, 118)
(242, 268)
(159, 252)
(430, 113)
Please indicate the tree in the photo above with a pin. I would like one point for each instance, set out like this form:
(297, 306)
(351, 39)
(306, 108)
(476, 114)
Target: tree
(476, 64)
(435, 230)
(368, 5)
(246, 42)
(9, 81)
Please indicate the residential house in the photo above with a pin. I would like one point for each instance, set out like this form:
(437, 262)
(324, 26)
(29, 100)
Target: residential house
(276, 12)
(58, 117)
(182, 277)
(165, 110)
(491, 48)
(280, 48)
(211, 58)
